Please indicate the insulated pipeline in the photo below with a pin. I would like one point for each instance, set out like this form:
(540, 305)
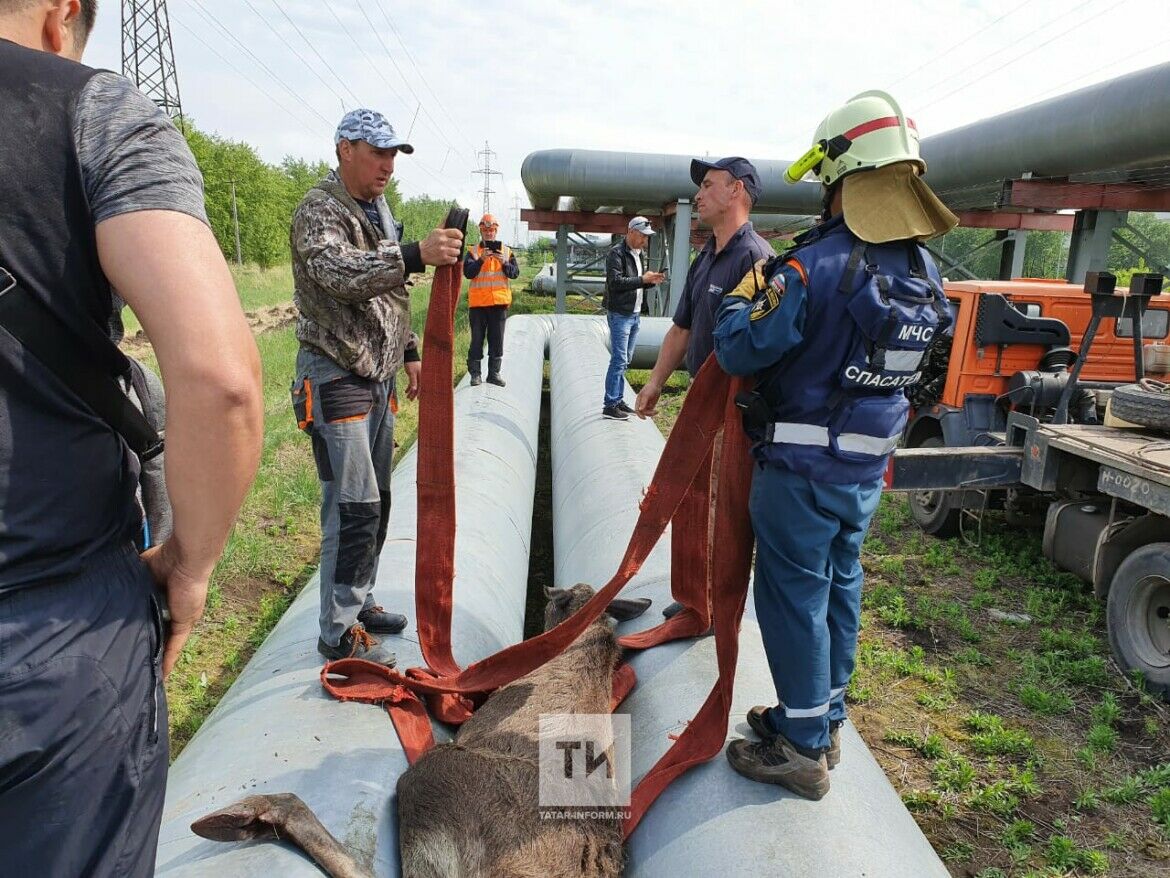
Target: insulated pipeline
(276, 730)
(710, 821)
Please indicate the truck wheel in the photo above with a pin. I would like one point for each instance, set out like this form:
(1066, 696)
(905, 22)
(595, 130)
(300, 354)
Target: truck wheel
(934, 511)
(1139, 405)
(1139, 615)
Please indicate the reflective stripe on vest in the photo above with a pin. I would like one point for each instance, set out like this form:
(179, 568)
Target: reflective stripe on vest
(490, 287)
(903, 361)
(811, 434)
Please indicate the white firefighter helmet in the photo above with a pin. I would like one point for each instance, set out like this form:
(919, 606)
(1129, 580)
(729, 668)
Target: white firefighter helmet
(868, 131)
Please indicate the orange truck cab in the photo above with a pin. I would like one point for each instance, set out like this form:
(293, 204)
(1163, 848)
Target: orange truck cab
(1011, 350)
(1012, 345)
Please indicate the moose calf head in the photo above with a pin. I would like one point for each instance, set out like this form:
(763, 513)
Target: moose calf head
(564, 602)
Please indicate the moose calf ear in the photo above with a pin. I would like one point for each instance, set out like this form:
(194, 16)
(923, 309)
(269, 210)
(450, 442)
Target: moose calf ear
(624, 609)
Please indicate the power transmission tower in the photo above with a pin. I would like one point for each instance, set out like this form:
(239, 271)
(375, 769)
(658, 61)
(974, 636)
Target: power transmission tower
(516, 221)
(487, 173)
(148, 57)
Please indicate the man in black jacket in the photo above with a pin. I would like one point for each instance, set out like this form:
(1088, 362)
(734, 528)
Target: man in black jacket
(625, 279)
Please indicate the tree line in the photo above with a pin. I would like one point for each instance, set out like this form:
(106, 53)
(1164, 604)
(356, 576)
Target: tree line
(1046, 253)
(266, 196)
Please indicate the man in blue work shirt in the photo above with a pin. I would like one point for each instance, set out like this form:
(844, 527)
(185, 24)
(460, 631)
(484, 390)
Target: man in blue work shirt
(728, 189)
(834, 331)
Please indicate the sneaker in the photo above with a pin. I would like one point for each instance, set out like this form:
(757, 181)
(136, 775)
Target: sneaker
(496, 380)
(614, 413)
(380, 622)
(476, 380)
(357, 643)
(757, 719)
(778, 761)
(625, 408)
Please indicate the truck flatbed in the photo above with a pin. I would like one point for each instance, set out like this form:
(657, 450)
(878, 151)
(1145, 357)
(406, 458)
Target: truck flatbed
(1129, 464)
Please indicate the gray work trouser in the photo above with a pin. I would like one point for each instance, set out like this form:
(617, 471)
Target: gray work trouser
(352, 429)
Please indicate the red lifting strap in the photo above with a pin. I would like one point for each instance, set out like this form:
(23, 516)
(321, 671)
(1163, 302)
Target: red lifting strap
(709, 568)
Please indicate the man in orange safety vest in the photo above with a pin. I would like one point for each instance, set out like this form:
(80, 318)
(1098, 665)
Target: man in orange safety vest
(489, 265)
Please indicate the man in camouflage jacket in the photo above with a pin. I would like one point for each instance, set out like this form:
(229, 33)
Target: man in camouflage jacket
(349, 275)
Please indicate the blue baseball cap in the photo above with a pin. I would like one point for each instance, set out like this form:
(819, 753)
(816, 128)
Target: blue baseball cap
(738, 167)
(372, 127)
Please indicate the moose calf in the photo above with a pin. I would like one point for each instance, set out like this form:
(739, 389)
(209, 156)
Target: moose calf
(468, 809)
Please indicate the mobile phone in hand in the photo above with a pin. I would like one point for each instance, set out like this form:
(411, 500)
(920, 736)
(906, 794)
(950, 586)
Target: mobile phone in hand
(493, 245)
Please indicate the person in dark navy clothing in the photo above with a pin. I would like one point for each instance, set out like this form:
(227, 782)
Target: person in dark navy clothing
(728, 188)
(102, 202)
(833, 331)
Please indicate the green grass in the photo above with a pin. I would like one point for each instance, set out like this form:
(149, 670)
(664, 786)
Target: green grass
(268, 556)
(257, 287)
(1001, 735)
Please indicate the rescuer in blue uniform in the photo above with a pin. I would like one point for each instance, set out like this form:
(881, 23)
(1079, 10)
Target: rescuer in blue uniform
(834, 331)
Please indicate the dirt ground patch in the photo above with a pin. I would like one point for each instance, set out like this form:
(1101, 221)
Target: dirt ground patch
(260, 320)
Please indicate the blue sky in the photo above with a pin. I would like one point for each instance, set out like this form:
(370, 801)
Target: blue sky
(730, 77)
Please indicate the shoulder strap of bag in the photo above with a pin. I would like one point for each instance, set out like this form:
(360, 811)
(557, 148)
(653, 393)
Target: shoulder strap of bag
(84, 366)
(858, 259)
(918, 269)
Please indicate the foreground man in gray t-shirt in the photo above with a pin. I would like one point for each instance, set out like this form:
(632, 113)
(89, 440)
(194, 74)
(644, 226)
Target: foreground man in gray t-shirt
(102, 195)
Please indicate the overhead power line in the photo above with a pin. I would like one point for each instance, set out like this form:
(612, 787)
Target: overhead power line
(422, 76)
(264, 91)
(313, 47)
(950, 49)
(1030, 51)
(1113, 62)
(413, 93)
(300, 57)
(214, 21)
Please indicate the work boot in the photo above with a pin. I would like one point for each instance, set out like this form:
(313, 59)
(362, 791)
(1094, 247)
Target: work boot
(833, 754)
(757, 718)
(494, 364)
(357, 643)
(779, 761)
(473, 371)
(380, 622)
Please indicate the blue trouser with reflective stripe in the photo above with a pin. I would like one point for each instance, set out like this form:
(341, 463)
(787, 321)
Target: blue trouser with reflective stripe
(808, 593)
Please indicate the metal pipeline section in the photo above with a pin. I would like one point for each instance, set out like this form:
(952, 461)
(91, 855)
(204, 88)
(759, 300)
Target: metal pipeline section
(645, 181)
(276, 730)
(1118, 124)
(710, 821)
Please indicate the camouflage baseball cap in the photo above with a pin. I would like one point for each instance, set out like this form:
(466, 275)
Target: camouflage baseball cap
(372, 127)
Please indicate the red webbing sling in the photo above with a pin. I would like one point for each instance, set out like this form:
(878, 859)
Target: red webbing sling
(708, 576)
